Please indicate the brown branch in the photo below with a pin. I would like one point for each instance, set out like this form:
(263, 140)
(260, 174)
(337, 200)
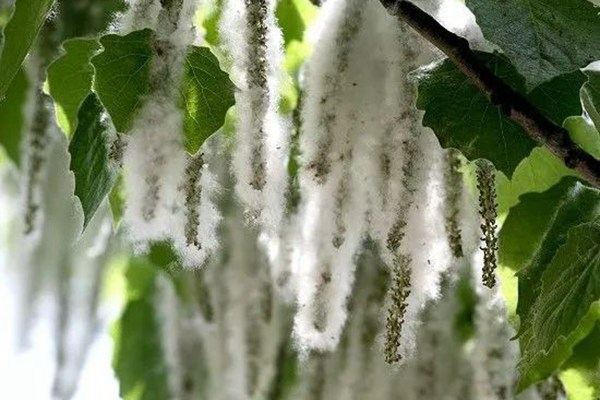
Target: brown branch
(510, 102)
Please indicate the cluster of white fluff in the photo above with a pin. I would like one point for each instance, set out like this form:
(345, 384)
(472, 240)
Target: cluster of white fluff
(236, 329)
(170, 195)
(363, 148)
(141, 14)
(254, 43)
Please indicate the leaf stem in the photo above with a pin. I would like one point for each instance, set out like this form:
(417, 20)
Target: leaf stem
(510, 102)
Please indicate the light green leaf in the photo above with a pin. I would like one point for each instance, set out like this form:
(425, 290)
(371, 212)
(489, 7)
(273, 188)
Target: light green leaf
(293, 17)
(123, 74)
(567, 307)
(116, 199)
(590, 96)
(584, 134)
(139, 362)
(11, 116)
(543, 38)
(462, 117)
(583, 368)
(536, 173)
(207, 94)
(19, 34)
(70, 80)
(94, 176)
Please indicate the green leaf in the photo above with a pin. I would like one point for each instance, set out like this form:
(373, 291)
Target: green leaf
(568, 304)
(207, 94)
(590, 96)
(19, 34)
(123, 80)
(138, 359)
(529, 223)
(537, 173)
(70, 80)
(11, 116)
(116, 199)
(462, 117)
(543, 38)
(530, 237)
(584, 134)
(87, 18)
(581, 373)
(94, 176)
(123, 74)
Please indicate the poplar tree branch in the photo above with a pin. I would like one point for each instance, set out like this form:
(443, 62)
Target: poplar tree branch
(510, 102)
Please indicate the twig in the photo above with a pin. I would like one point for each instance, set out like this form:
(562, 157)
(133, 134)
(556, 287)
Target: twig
(510, 102)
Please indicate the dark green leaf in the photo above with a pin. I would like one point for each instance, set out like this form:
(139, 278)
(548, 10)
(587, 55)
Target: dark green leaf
(70, 80)
(19, 34)
(462, 117)
(207, 94)
(543, 38)
(543, 216)
(568, 304)
(11, 116)
(87, 18)
(122, 75)
(531, 235)
(94, 176)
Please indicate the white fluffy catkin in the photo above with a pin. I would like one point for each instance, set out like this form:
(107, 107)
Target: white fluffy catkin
(406, 213)
(340, 126)
(170, 194)
(255, 45)
(243, 333)
(139, 15)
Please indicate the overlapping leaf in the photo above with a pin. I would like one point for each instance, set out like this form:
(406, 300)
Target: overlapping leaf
(207, 94)
(462, 117)
(70, 80)
(94, 176)
(123, 80)
(530, 239)
(568, 305)
(123, 74)
(543, 38)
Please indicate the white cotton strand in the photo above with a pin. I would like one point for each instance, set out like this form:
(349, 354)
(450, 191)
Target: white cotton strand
(154, 163)
(170, 195)
(341, 126)
(255, 45)
(140, 14)
(494, 355)
(198, 215)
(425, 243)
(242, 337)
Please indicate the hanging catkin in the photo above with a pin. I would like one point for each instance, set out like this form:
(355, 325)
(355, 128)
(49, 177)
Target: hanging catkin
(453, 190)
(486, 184)
(254, 43)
